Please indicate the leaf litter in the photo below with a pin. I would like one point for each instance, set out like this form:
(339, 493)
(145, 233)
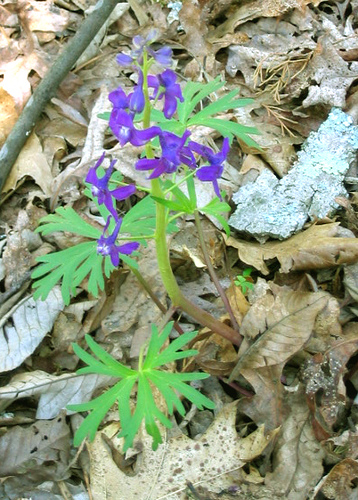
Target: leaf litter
(287, 407)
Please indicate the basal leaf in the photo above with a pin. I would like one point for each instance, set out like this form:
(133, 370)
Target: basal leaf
(169, 384)
(61, 265)
(67, 219)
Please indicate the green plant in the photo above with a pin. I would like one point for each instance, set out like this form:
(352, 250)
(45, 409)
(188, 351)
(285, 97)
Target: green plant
(244, 280)
(175, 164)
(149, 374)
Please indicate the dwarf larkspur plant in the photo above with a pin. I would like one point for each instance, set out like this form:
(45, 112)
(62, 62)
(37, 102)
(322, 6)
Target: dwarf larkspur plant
(157, 115)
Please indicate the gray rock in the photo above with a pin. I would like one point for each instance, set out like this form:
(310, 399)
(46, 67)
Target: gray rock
(270, 207)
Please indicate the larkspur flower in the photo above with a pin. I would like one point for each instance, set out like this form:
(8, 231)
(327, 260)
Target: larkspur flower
(136, 99)
(119, 99)
(174, 153)
(100, 190)
(121, 124)
(165, 85)
(163, 55)
(106, 245)
(213, 171)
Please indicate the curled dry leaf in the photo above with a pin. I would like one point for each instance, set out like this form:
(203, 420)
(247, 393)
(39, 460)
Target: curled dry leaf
(318, 247)
(216, 356)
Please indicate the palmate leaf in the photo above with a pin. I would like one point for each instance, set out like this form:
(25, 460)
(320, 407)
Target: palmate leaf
(169, 384)
(71, 266)
(67, 219)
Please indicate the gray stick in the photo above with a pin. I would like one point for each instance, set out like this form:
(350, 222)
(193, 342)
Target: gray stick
(48, 86)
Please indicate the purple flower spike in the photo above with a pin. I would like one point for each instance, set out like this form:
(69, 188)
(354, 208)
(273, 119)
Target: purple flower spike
(137, 100)
(106, 245)
(214, 170)
(123, 128)
(166, 85)
(100, 188)
(174, 153)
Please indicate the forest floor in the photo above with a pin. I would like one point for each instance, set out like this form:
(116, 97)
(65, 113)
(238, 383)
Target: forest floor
(286, 424)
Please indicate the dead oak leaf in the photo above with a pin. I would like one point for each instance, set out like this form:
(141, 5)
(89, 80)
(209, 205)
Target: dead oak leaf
(318, 247)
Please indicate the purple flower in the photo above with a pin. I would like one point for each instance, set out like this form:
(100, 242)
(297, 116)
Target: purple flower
(123, 128)
(174, 153)
(163, 55)
(100, 188)
(119, 99)
(214, 170)
(106, 245)
(165, 84)
(136, 99)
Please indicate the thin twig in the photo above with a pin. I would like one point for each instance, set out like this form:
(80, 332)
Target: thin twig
(212, 272)
(49, 84)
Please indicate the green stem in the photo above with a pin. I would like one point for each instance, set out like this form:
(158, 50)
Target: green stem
(171, 284)
(164, 265)
(212, 271)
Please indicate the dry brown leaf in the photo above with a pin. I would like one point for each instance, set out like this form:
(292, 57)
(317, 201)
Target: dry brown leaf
(31, 162)
(297, 458)
(284, 322)
(339, 483)
(8, 114)
(266, 405)
(45, 16)
(216, 356)
(16, 74)
(163, 473)
(255, 9)
(318, 247)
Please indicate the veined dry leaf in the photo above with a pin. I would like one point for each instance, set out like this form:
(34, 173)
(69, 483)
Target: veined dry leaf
(297, 457)
(163, 474)
(24, 326)
(284, 322)
(266, 405)
(316, 248)
(55, 391)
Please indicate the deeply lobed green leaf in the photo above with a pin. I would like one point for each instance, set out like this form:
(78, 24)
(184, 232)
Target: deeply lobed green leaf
(170, 385)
